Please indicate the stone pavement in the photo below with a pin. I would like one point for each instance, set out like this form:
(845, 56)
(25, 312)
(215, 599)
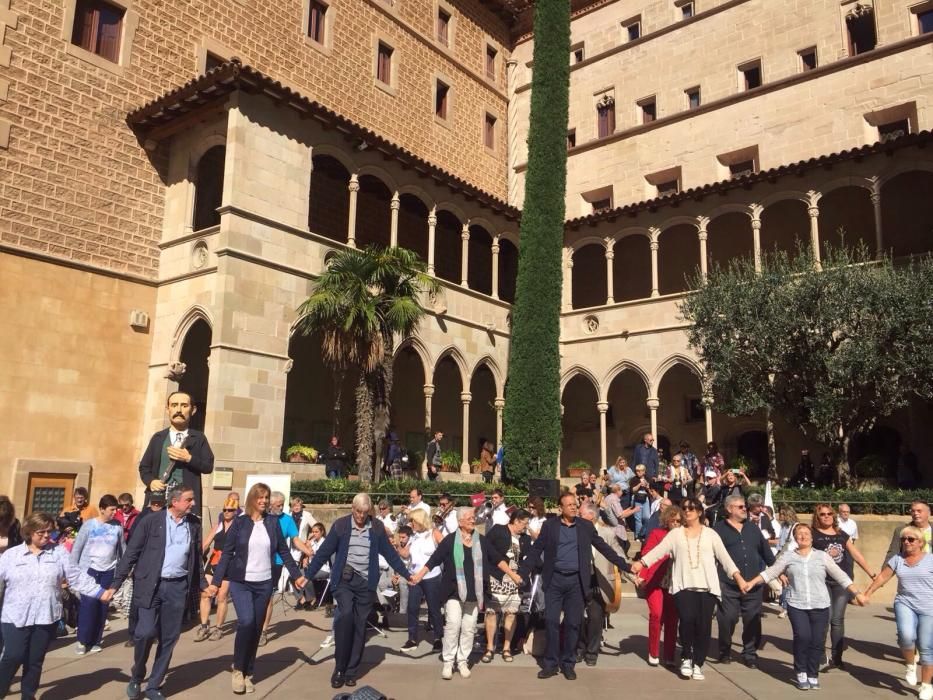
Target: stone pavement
(293, 665)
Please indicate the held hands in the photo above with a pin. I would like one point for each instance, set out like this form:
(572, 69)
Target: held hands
(300, 582)
(211, 590)
(637, 566)
(106, 595)
(415, 579)
(861, 599)
(179, 454)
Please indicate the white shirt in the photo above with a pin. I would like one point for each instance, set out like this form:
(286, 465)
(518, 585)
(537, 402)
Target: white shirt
(421, 548)
(390, 525)
(850, 527)
(259, 556)
(534, 525)
(173, 436)
(499, 515)
(421, 505)
(450, 523)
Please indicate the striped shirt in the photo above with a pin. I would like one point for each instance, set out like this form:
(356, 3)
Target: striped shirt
(358, 552)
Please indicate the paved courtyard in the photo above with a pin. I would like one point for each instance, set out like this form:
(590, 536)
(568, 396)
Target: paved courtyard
(293, 665)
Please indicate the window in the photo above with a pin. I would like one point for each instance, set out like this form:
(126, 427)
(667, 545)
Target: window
(742, 168)
(740, 163)
(489, 131)
(599, 199)
(209, 187)
(441, 92)
(667, 188)
(663, 183)
(604, 204)
(316, 14)
(750, 75)
(443, 26)
(605, 116)
(576, 54)
(384, 63)
(686, 10)
(97, 28)
(893, 130)
(693, 97)
(632, 28)
(212, 61)
(860, 28)
(808, 60)
(924, 15)
(571, 139)
(648, 109)
(491, 55)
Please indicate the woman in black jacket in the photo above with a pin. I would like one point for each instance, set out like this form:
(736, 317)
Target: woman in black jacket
(509, 544)
(247, 561)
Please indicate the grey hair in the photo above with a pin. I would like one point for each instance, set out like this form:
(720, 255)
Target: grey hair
(755, 499)
(589, 507)
(464, 511)
(174, 494)
(362, 501)
(733, 499)
(616, 488)
(276, 496)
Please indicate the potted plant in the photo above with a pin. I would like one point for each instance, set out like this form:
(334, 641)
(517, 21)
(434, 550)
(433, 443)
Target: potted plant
(451, 461)
(577, 468)
(476, 467)
(301, 453)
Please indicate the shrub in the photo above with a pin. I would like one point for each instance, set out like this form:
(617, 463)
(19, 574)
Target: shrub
(881, 502)
(341, 491)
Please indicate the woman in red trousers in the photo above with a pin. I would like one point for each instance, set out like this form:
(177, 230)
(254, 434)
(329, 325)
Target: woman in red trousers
(661, 609)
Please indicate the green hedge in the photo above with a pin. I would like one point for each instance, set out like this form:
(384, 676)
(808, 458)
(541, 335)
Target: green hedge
(885, 501)
(342, 491)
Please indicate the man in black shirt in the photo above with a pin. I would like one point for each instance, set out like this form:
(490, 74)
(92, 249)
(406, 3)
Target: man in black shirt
(750, 551)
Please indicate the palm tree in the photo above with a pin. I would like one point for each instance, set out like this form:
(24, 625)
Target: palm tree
(362, 301)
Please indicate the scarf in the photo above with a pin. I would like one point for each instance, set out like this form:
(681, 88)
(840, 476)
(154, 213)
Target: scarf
(477, 568)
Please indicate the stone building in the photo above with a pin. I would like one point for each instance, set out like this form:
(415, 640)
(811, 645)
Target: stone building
(174, 174)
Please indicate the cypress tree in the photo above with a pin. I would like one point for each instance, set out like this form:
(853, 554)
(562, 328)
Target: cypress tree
(532, 409)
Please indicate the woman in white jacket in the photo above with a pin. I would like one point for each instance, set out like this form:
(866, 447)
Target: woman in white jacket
(694, 550)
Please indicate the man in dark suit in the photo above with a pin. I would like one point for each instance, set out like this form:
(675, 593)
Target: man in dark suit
(357, 540)
(164, 554)
(567, 544)
(178, 455)
(646, 453)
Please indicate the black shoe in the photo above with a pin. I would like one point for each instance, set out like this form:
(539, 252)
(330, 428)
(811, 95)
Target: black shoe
(410, 645)
(154, 695)
(547, 673)
(837, 663)
(751, 663)
(579, 657)
(129, 643)
(724, 658)
(132, 690)
(337, 680)
(569, 674)
(438, 645)
(350, 682)
(591, 662)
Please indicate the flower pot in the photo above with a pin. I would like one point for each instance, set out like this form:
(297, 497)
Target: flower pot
(299, 458)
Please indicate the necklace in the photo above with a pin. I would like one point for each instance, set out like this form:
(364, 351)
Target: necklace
(690, 557)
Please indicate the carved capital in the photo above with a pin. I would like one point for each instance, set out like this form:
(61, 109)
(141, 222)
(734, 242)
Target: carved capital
(602, 406)
(428, 391)
(495, 249)
(754, 211)
(396, 202)
(702, 223)
(354, 184)
(176, 370)
(289, 365)
(655, 234)
(466, 397)
(653, 404)
(813, 198)
(432, 221)
(499, 404)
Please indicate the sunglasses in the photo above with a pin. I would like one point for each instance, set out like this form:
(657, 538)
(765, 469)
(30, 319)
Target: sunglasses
(909, 539)
(689, 507)
(229, 510)
(825, 515)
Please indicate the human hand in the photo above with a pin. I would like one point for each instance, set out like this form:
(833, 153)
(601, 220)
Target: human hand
(106, 595)
(861, 600)
(637, 566)
(300, 582)
(415, 579)
(157, 484)
(395, 580)
(515, 578)
(211, 590)
(784, 580)
(179, 454)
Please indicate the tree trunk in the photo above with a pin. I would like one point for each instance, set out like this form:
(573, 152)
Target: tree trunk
(364, 429)
(339, 375)
(845, 477)
(772, 449)
(381, 400)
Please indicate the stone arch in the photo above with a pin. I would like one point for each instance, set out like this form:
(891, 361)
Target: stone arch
(673, 360)
(209, 187)
(447, 246)
(508, 269)
(338, 154)
(195, 352)
(901, 167)
(373, 212)
(201, 146)
(847, 209)
(589, 286)
(483, 390)
(413, 224)
(579, 419)
(866, 183)
(617, 369)
(380, 174)
(679, 221)
(479, 255)
(329, 197)
(416, 344)
(459, 360)
(631, 266)
(785, 225)
(494, 368)
(681, 414)
(585, 241)
(906, 212)
(188, 319)
(730, 235)
(510, 236)
(626, 392)
(453, 209)
(575, 370)
(408, 417)
(782, 196)
(418, 193)
(678, 257)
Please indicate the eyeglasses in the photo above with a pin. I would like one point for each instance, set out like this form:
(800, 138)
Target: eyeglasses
(825, 515)
(229, 510)
(909, 539)
(689, 506)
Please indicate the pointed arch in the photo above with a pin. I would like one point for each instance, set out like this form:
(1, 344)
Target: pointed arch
(616, 370)
(189, 318)
(416, 344)
(677, 359)
(493, 367)
(454, 354)
(575, 370)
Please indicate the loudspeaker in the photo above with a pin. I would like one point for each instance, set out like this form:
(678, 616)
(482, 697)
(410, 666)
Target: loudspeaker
(548, 489)
(365, 693)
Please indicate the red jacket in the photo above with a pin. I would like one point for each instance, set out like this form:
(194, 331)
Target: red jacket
(126, 520)
(653, 575)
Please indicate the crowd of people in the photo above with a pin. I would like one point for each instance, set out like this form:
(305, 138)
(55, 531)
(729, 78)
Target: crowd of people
(521, 578)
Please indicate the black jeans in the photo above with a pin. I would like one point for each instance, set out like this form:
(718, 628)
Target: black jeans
(26, 647)
(250, 600)
(430, 590)
(160, 622)
(563, 593)
(809, 628)
(354, 603)
(591, 633)
(732, 605)
(695, 609)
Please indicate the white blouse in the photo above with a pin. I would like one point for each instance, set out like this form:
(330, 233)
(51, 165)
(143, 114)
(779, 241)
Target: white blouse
(421, 547)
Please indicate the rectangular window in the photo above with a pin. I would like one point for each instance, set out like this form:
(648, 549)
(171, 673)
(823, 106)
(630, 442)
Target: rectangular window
(893, 130)
(443, 26)
(316, 13)
(571, 139)
(742, 168)
(667, 188)
(649, 110)
(750, 74)
(693, 98)
(860, 28)
(211, 61)
(441, 92)
(925, 21)
(576, 54)
(489, 131)
(808, 60)
(632, 29)
(605, 117)
(604, 204)
(97, 28)
(384, 63)
(686, 10)
(491, 55)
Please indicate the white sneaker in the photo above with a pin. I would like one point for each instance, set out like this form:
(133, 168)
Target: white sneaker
(926, 691)
(782, 615)
(698, 673)
(447, 672)
(328, 642)
(95, 649)
(686, 668)
(464, 669)
(911, 675)
(653, 660)
(80, 649)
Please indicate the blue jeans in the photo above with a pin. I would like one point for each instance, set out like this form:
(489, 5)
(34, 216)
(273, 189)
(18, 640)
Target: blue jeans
(250, 599)
(641, 519)
(26, 647)
(914, 631)
(430, 590)
(809, 628)
(92, 614)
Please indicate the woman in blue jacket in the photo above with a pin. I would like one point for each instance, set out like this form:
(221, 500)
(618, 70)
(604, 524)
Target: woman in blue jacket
(247, 562)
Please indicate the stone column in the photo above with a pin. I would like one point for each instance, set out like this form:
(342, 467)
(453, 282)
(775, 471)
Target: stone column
(610, 255)
(754, 211)
(653, 405)
(500, 406)
(465, 256)
(394, 204)
(876, 204)
(432, 227)
(428, 429)
(708, 416)
(465, 398)
(567, 283)
(655, 244)
(602, 407)
(354, 187)
(495, 267)
(702, 235)
(813, 209)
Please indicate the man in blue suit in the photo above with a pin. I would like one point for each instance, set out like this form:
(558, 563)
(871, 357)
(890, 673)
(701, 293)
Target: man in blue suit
(356, 541)
(646, 453)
